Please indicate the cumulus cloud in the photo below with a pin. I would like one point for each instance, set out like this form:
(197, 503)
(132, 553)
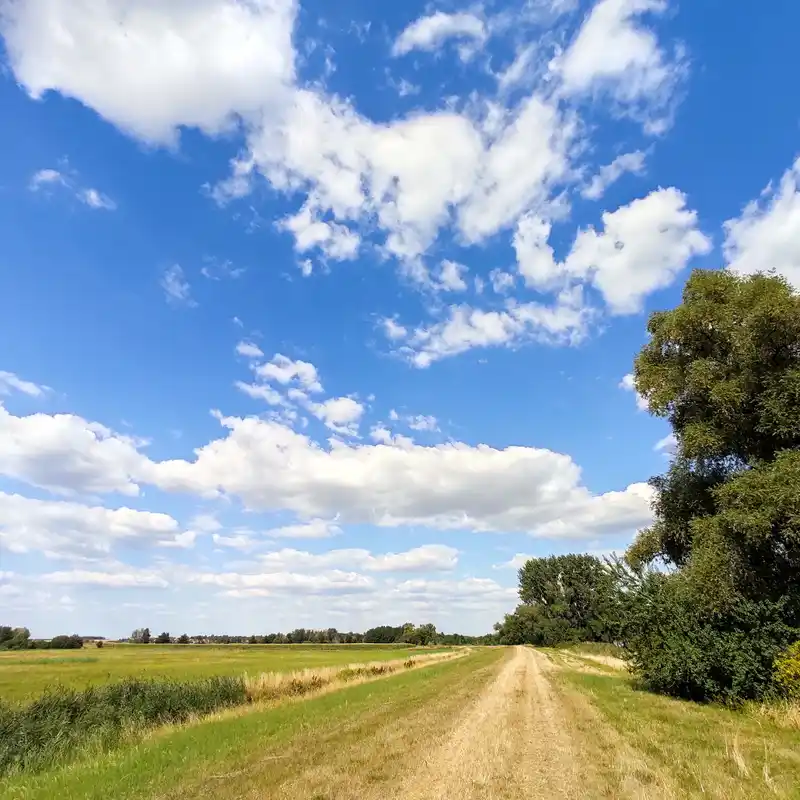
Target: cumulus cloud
(429, 33)
(428, 558)
(641, 248)
(109, 580)
(340, 414)
(766, 236)
(449, 486)
(284, 371)
(67, 455)
(197, 63)
(272, 467)
(313, 529)
(57, 528)
(615, 54)
(466, 327)
(249, 350)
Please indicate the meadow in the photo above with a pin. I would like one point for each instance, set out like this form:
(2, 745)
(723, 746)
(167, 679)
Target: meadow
(489, 722)
(24, 675)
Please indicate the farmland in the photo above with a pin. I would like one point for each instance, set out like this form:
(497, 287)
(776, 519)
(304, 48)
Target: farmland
(26, 674)
(493, 723)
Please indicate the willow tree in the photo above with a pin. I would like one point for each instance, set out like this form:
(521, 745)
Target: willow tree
(724, 369)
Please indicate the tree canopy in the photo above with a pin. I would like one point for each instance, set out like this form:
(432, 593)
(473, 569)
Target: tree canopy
(724, 369)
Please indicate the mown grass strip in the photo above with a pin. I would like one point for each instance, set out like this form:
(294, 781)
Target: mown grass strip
(708, 750)
(235, 754)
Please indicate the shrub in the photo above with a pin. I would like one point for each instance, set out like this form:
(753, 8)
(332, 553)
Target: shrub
(787, 671)
(677, 648)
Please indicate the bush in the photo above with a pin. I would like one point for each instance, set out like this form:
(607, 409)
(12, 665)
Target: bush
(787, 671)
(678, 649)
(63, 722)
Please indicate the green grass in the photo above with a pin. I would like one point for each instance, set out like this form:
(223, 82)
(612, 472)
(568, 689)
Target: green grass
(26, 675)
(259, 750)
(708, 750)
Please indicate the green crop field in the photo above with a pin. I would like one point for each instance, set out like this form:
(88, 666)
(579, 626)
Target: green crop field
(26, 674)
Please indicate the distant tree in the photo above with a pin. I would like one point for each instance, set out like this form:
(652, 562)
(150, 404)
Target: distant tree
(183, 639)
(14, 638)
(73, 642)
(141, 636)
(383, 634)
(163, 638)
(253, 639)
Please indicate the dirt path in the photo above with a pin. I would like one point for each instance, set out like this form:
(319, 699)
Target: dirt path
(511, 744)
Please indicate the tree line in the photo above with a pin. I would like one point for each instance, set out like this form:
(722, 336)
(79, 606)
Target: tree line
(706, 602)
(420, 635)
(20, 639)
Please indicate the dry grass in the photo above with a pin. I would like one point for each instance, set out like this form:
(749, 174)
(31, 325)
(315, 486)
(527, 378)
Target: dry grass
(271, 686)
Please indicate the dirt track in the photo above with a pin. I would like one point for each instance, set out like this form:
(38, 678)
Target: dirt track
(511, 744)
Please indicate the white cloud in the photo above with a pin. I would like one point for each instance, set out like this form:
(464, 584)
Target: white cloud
(239, 541)
(767, 234)
(53, 177)
(196, 63)
(451, 277)
(428, 558)
(249, 350)
(66, 454)
(421, 422)
(58, 528)
(95, 199)
(109, 580)
(614, 53)
(264, 584)
(260, 391)
(502, 282)
(611, 173)
(515, 562)
(452, 486)
(334, 240)
(283, 370)
(393, 329)
(668, 445)
(340, 414)
(466, 327)
(313, 529)
(429, 33)
(10, 382)
(46, 177)
(642, 248)
(176, 288)
(629, 385)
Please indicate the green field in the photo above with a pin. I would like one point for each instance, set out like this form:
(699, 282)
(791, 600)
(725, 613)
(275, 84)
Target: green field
(25, 675)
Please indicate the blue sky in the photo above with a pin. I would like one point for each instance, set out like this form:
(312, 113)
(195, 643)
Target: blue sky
(322, 317)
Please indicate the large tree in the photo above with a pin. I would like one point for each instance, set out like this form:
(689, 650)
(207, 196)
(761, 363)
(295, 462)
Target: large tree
(724, 369)
(563, 599)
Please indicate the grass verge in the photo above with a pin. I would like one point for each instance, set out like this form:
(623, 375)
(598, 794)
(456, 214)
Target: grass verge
(340, 744)
(687, 750)
(63, 723)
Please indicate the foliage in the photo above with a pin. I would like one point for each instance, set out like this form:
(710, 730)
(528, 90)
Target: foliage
(62, 722)
(141, 636)
(163, 638)
(14, 638)
(787, 671)
(565, 599)
(183, 639)
(724, 369)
